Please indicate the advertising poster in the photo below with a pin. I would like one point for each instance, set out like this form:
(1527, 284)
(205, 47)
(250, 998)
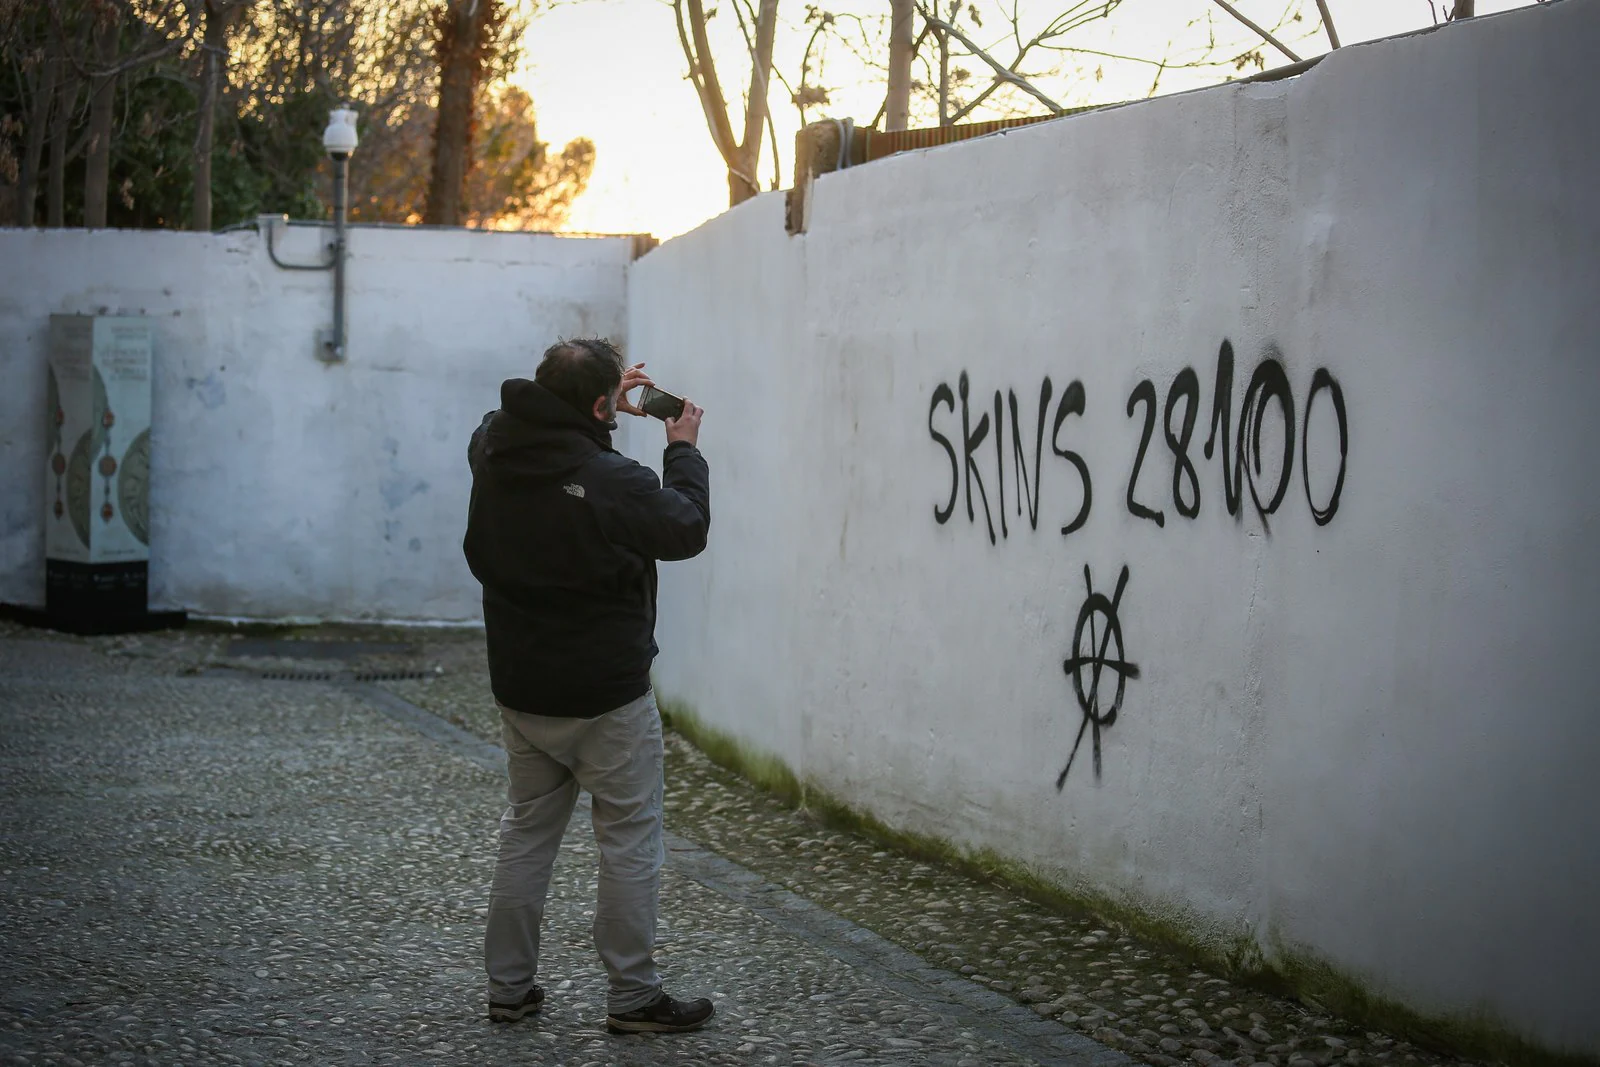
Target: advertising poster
(97, 517)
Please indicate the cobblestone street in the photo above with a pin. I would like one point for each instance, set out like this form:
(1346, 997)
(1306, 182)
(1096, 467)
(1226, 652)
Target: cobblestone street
(205, 864)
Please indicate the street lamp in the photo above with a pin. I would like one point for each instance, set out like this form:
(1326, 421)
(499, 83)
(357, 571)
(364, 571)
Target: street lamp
(340, 141)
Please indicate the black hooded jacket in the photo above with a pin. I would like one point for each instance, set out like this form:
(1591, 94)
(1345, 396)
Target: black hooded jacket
(564, 533)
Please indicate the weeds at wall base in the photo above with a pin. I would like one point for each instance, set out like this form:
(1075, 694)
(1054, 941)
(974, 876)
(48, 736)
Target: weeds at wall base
(1286, 972)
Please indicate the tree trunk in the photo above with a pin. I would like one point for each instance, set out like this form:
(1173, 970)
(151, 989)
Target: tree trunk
(741, 159)
(215, 52)
(60, 126)
(897, 108)
(33, 149)
(461, 29)
(944, 78)
(742, 181)
(102, 112)
(1463, 10)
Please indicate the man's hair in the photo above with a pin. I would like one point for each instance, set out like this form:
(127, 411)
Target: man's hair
(581, 370)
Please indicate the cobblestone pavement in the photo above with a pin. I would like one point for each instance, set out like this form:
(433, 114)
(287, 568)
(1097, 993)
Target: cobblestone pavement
(354, 853)
(215, 868)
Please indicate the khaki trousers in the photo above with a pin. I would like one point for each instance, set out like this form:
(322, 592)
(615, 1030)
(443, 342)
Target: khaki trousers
(616, 757)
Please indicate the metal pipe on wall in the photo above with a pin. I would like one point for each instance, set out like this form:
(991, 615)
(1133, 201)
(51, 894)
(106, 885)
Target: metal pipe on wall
(340, 140)
(335, 344)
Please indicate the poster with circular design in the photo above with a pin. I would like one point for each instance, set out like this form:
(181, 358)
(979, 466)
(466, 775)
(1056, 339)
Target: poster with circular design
(100, 426)
(53, 428)
(133, 487)
(58, 462)
(80, 485)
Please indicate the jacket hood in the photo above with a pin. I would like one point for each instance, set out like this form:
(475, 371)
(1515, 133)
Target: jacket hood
(541, 435)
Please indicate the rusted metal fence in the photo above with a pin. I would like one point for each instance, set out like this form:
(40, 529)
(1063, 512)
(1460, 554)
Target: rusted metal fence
(835, 144)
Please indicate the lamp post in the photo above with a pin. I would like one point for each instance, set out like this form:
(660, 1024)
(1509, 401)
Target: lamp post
(340, 141)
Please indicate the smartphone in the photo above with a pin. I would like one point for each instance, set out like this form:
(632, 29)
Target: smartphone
(660, 403)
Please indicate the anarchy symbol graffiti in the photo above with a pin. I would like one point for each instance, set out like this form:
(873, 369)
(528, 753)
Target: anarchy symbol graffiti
(1097, 661)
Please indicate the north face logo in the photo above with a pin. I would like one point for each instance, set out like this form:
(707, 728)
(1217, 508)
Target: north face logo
(575, 490)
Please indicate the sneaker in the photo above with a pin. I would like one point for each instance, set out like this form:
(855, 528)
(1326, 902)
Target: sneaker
(510, 1013)
(663, 1016)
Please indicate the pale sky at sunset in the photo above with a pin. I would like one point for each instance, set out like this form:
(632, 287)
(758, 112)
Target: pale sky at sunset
(613, 71)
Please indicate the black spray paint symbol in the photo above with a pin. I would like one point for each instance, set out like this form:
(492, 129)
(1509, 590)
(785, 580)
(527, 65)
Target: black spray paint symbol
(1097, 663)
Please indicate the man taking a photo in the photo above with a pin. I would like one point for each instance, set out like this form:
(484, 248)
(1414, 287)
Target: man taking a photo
(564, 533)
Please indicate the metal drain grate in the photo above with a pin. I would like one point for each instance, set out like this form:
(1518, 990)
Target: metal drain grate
(296, 648)
(299, 676)
(347, 676)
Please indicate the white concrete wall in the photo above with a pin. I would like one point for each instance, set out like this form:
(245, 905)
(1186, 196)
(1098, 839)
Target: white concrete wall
(283, 487)
(1369, 743)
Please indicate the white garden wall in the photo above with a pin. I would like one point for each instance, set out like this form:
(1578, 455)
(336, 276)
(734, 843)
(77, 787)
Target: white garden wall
(1367, 742)
(282, 486)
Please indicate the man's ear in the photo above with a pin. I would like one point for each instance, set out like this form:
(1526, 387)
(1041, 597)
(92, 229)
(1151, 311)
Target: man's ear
(601, 403)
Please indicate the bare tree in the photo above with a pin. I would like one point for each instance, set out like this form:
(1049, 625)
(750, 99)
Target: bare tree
(35, 42)
(466, 33)
(902, 49)
(1260, 31)
(66, 102)
(742, 157)
(214, 61)
(811, 92)
(46, 69)
(42, 52)
(996, 58)
(253, 142)
(102, 101)
(515, 181)
(89, 44)
(1002, 73)
(1327, 23)
(295, 59)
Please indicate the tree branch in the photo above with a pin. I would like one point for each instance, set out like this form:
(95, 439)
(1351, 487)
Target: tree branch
(1156, 84)
(772, 127)
(805, 71)
(1327, 22)
(976, 102)
(740, 7)
(703, 72)
(1016, 64)
(916, 49)
(777, 164)
(152, 25)
(1265, 36)
(743, 9)
(1001, 72)
(755, 108)
(902, 53)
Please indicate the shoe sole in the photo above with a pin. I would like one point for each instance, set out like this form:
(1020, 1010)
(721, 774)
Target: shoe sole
(511, 1015)
(624, 1026)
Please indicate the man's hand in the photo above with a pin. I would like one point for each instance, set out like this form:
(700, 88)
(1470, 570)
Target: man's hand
(632, 377)
(686, 427)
